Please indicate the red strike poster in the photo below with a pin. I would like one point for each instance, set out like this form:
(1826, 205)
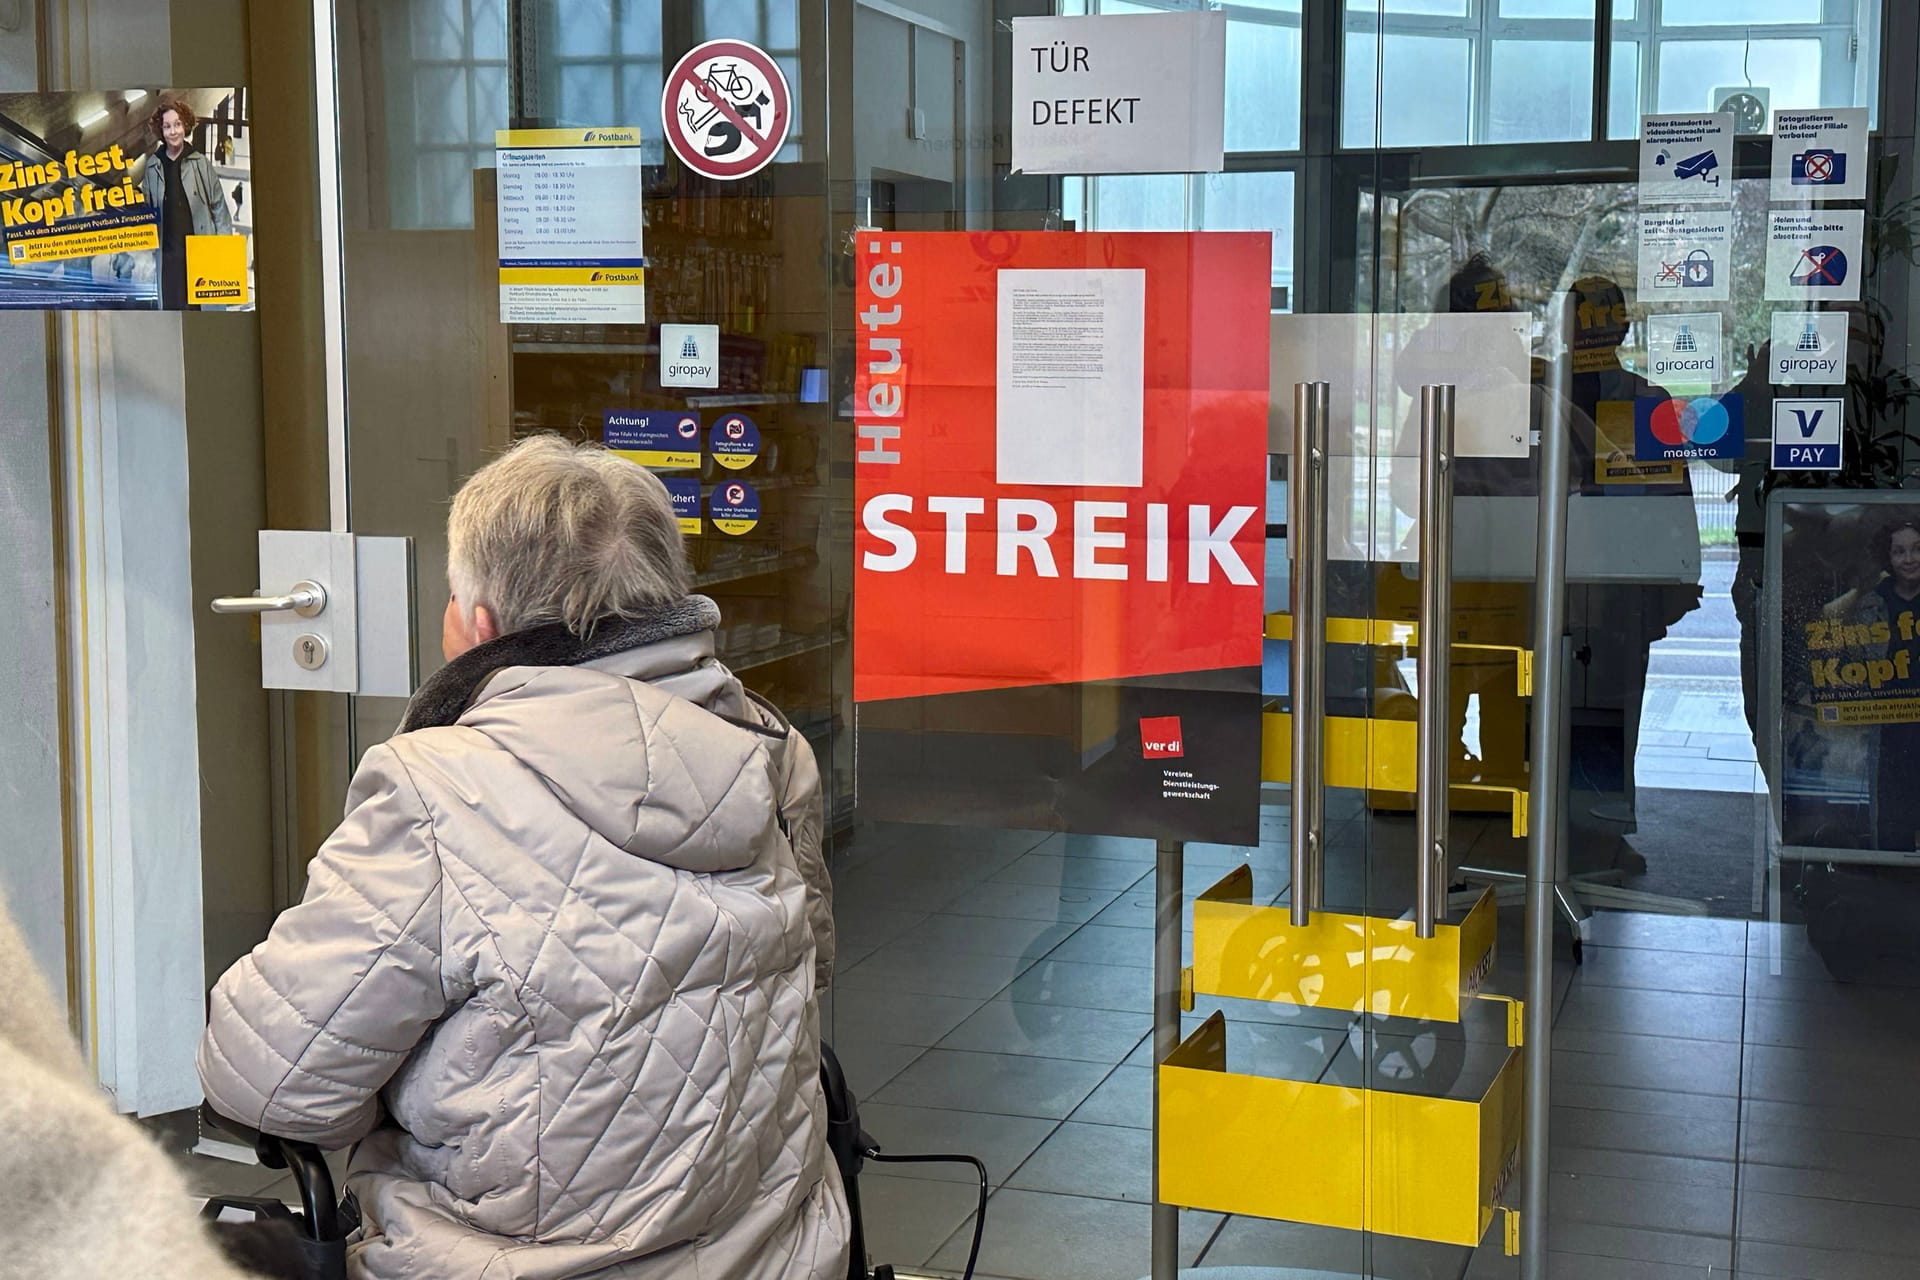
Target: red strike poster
(1060, 521)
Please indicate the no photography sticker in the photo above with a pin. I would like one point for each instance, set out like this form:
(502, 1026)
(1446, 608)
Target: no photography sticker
(726, 109)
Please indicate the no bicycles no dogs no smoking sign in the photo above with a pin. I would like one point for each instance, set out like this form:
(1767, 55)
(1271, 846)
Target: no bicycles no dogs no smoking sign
(726, 109)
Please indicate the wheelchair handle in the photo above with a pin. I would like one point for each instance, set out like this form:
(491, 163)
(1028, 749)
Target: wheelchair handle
(318, 1201)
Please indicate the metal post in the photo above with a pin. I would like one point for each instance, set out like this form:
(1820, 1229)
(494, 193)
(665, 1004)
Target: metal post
(1436, 646)
(1548, 797)
(1307, 602)
(1168, 871)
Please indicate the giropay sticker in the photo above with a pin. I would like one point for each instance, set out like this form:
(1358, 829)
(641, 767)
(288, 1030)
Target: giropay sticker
(1813, 255)
(1686, 159)
(1806, 434)
(1684, 256)
(1820, 155)
(1684, 351)
(1809, 347)
(689, 355)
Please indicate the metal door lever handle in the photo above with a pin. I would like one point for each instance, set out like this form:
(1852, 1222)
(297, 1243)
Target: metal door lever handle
(306, 599)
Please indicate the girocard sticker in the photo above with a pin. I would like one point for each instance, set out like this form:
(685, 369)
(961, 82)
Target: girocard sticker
(218, 273)
(1814, 254)
(1809, 348)
(1613, 460)
(1120, 93)
(1685, 256)
(667, 438)
(1807, 434)
(735, 442)
(1683, 429)
(1686, 159)
(690, 355)
(685, 493)
(1032, 581)
(734, 506)
(1820, 154)
(726, 109)
(1684, 350)
(570, 226)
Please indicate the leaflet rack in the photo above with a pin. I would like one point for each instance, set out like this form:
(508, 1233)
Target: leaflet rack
(1339, 1153)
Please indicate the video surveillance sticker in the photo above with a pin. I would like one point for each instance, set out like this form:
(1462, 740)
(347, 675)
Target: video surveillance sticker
(1820, 155)
(1686, 159)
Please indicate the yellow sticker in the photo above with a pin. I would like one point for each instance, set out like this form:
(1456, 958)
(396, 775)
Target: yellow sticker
(1613, 460)
(217, 271)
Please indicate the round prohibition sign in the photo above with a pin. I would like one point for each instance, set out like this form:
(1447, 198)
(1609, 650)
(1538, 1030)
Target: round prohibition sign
(725, 109)
(1819, 168)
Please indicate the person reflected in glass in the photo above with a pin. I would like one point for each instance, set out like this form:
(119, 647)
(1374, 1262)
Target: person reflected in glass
(183, 189)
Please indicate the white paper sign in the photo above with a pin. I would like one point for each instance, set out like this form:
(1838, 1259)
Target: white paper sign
(689, 355)
(1685, 350)
(1685, 256)
(1809, 347)
(1686, 159)
(570, 226)
(1070, 377)
(1820, 155)
(1376, 366)
(1813, 255)
(1131, 93)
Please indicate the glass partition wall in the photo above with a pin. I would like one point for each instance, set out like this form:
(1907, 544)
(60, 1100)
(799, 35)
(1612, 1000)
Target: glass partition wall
(1732, 1031)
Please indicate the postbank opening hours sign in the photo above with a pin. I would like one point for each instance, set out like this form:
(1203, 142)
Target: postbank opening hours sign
(570, 228)
(1060, 488)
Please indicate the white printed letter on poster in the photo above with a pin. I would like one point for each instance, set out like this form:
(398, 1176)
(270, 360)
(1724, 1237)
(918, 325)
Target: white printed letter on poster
(1071, 377)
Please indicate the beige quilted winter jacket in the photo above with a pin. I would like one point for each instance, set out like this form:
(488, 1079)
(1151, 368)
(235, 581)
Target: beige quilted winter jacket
(558, 968)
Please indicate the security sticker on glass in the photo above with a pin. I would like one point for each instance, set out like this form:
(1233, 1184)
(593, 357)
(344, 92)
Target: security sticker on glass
(1809, 348)
(1684, 351)
(1807, 434)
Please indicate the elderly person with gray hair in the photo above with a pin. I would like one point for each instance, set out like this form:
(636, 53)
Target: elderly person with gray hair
(556, 972)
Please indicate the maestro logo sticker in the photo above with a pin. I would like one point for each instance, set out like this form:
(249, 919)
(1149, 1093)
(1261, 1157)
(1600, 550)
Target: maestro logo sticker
(1679, 429)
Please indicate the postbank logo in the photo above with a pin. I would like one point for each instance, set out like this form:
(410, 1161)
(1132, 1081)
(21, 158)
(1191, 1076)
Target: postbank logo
(627, 136)
(617, 277)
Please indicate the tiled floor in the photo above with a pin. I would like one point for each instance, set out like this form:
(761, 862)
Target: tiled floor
(1716, 1105)
(1720, 1106)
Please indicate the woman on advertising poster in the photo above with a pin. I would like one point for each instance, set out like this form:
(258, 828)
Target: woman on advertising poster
(1894, 602)
(183, 188)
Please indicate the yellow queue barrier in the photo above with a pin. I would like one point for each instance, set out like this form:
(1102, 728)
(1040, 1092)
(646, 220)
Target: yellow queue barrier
(1371, 755)
(1361, 964)
(1385, 633)
(1332, 1155)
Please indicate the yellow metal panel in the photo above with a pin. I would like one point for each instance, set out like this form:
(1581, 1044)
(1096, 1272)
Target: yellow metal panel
(1332, 1155)
(1387, 633)
(1376, 754)
(1337, 960)
(1248, 1144)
